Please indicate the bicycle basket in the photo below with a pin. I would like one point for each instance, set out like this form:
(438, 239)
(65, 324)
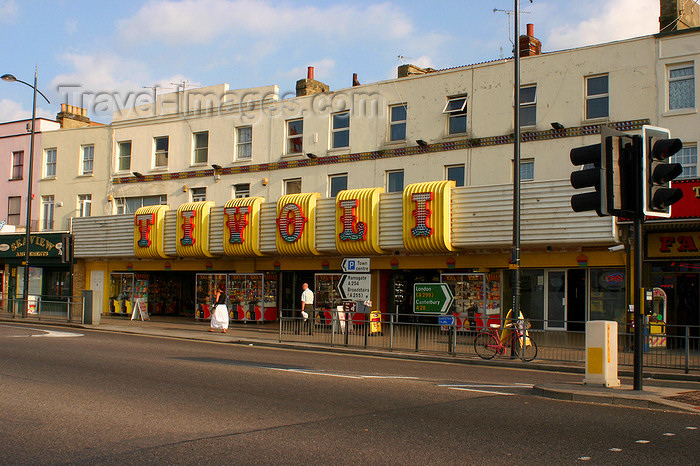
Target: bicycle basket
(524, 325)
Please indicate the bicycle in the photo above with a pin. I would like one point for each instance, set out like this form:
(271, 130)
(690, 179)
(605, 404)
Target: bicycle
(488, 343)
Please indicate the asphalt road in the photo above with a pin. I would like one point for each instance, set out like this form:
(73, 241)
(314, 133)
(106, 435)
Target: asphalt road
(91, 397)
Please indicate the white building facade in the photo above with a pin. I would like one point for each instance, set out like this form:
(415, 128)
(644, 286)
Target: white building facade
(215, 144)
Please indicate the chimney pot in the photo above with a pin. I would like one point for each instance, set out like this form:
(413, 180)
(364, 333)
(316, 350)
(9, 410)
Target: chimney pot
(310, 86)
(529, 44)
(63, 107)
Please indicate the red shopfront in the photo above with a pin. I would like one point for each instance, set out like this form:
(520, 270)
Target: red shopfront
(672, 262)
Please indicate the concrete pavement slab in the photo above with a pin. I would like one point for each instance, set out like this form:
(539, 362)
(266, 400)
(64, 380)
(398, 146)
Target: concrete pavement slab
(666, 398)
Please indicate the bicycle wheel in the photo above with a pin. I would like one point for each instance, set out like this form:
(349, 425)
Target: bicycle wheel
(486, 345)
(530, 348)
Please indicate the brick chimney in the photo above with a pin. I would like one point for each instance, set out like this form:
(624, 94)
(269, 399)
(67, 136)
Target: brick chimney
(72, 116)
(678, 14)
(529, 44)
(310, 86)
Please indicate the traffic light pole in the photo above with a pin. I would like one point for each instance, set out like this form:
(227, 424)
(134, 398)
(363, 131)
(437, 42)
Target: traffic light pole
(638, 304)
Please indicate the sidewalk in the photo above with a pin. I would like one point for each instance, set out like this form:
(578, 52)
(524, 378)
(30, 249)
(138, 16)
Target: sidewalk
(665, 398)
(684, 397)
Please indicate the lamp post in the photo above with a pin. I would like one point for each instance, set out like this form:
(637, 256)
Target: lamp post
(11, 78)
(515, 250)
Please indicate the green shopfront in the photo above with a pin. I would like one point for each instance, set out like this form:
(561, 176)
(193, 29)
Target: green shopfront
(50, 279)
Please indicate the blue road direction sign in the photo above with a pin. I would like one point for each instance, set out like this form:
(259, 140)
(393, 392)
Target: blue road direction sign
(355, 265)
(431, 298)
(446, 320)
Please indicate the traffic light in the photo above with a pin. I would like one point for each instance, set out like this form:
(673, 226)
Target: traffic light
(657, 147)
(591, 175)
(621, 166)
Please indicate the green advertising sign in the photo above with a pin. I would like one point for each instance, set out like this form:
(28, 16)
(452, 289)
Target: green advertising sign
(431, 298)
(40, 245)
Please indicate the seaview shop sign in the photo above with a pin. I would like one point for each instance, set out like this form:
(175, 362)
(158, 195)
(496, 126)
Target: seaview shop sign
(40, 245)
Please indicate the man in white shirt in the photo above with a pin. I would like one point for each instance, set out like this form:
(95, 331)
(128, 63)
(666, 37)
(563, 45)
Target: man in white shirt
(307, 305)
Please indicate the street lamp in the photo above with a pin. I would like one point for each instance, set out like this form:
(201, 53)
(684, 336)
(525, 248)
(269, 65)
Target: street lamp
(11, 78)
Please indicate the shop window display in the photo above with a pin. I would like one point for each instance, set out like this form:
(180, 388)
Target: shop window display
(141, 287)
(270, 296)
(205, 286)
(477, 299)
(252, 296)
(121, 289)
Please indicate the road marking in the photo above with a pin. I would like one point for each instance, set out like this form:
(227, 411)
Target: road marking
(615, 449)
(468, 385)
(669, 434)
(388, 377)
(57, 334)
(481, 391)
(692, 428)
(584, 458)
(642, 441)
(47, 333)
(342, 376)
(327, 374)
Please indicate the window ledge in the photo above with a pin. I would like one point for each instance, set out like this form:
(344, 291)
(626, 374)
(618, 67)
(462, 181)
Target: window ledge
(339, 150)
(595, 121)
(452, 136)
(48, 178)
(401, 142)
(86, 175)
(680, 111)
(295, 154)
(243, 160)
(15, 179)
(159, 169)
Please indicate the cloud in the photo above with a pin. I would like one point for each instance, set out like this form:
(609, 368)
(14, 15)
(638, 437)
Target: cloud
(423, 62)
(11, 110)
(8, 10)
(105, 83)
(278, 39)
(202, 21)
(612, 20)
(100, 73)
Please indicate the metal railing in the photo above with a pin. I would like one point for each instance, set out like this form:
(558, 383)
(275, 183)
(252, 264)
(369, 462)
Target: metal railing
(678, 347)
(49, 308)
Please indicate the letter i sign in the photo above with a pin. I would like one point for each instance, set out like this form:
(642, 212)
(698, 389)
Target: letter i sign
(421, 214)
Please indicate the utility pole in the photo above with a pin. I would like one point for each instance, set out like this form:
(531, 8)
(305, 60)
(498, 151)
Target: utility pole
(515, 250)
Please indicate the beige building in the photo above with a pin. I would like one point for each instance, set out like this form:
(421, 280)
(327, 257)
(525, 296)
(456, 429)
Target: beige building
(77, 185)
(216, 144)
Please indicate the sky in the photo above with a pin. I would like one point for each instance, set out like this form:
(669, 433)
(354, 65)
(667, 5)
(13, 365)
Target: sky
(123, 47)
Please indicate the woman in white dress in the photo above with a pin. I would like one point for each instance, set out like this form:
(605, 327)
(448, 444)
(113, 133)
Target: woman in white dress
(219, 318)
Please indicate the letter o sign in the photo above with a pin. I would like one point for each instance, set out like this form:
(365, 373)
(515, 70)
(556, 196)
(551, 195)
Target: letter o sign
(290, 222)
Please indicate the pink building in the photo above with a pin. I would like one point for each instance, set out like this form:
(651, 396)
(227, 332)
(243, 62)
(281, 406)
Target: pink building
(14, 171)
